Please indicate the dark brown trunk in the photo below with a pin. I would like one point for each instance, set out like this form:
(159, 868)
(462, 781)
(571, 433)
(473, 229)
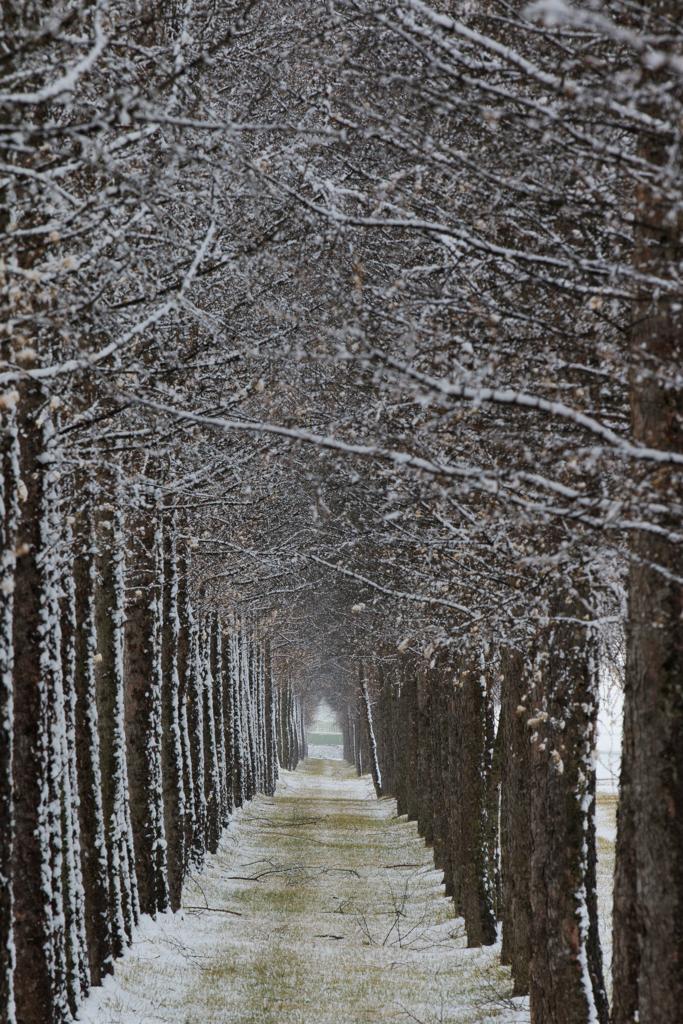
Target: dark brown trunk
(9, 510)
(143, 712)
(476, 894)
(648, 889)
(515, 835)
(172, 748)
(40, 992)
(109, 616)
(185, 670)
(211, 780)
(90, 813)
(565, 976)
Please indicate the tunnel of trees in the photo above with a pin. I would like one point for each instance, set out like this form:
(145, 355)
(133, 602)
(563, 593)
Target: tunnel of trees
(341, 356)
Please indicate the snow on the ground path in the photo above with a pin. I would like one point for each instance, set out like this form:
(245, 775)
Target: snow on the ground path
(328, 751)
(342, 920)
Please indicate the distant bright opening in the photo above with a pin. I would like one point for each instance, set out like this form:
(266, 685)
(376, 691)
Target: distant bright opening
(324, 735)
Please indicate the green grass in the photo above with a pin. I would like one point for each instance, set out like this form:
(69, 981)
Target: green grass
(332, 933)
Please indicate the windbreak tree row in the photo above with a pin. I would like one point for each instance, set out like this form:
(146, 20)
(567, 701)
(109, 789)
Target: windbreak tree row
(136, 716)
(509, 812)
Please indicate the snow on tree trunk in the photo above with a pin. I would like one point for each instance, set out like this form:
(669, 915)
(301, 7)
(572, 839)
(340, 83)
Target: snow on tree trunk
(270, 723)
(648, 890)
(87, 747)
(185, 691)
(237, 735)
(142, 676)
(40, 976)
(109, 623)
(195, 719)
(219, 724)
(228, 718)
(565, 973)
(76, 906)
(211, 778)
(372, 743)
(9, 512)
(172, 744)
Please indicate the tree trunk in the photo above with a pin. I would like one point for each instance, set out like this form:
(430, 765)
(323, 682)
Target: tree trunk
(565, 976)
(185, 689)
(87, 746)
(9, 513)
(648, 889)
(211, 779)
(40, 974)
(109, 620)
(172, 747)
(472, 760)
(142, 676)
(369, 731)
(515, 823)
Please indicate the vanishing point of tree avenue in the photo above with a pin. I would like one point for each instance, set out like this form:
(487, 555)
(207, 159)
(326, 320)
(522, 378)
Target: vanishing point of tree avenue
(341, 359)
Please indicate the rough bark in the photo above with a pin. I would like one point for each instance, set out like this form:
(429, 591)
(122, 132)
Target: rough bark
(648, 890)
(109, 620)
(565, 975)
(39, 977)
(172, 748)
(143, 711)
(211, 779)
(91, 818)
(369, 731)
(472, 760)
(515, 836)
(9, 509)
(184, 667)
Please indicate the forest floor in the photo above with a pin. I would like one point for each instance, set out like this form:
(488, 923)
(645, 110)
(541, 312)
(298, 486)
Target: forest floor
(342, 920)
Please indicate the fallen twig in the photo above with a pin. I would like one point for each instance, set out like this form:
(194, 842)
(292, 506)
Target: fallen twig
(215, 910)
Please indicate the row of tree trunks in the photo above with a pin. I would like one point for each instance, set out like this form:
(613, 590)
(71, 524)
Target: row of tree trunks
(532, 784)
(289, 738)
(124, 728)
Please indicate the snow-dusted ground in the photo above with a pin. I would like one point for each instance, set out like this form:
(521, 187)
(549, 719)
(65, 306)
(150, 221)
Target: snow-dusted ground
(342, 920)
(327, 750)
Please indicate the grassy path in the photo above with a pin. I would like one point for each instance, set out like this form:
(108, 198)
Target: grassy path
(342, 920)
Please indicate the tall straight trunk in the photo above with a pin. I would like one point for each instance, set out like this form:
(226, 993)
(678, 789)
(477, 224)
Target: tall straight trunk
(109, 622)
(237, 733)
(472, 761)
(195, 719)
(648, 888)
(227, 718)
(9, 513)
(565, 974)
(218, 706)
(250, 685)
(357, 735)
(515, 821)
(41, 994)
(439, 720)
(211, 779)
(270, 723)
(369, 731)
(171, 728)
(425, 816)
(87, 747)
(74, 866)
(245, 717)
(185, 689)
(142, 674)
